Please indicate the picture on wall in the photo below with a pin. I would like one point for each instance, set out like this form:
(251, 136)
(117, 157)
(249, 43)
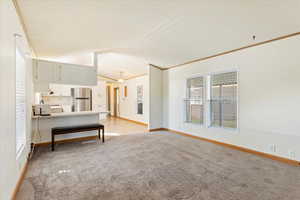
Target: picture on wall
(140, 99)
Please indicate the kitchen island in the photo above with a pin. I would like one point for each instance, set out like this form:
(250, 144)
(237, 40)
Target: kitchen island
(41, 125)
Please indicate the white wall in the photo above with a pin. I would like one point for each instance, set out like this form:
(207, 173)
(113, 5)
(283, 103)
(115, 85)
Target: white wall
(156, 98)
(269, 97)
(128, 105)
(100, 98)
(10, 168)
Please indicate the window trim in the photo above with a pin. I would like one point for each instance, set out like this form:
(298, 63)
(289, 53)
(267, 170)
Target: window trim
(18, 47)
(237, 99)
(207, 97)
(187, 97)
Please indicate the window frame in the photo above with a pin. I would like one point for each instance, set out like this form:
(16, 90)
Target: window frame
(187, 97)
(19, 50)
(209, 97)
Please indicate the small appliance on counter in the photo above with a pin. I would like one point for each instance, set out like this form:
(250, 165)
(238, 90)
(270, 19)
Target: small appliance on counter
(41, 109)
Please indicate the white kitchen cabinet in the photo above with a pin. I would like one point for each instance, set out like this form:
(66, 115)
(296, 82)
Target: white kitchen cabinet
(77, 75)
(68, 74)
(44, 71)
(61, 73)
(89, 76)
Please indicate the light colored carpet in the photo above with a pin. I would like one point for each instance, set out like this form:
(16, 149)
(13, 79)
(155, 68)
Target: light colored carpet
(158, 166)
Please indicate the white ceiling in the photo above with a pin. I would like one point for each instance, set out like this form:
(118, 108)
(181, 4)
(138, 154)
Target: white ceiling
(111, 64)
(161, 32)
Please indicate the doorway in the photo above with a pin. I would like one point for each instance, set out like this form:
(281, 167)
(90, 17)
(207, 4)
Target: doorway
(108, 100)
(116, 102)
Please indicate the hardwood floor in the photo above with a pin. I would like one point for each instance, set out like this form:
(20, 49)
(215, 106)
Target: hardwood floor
(116, 126)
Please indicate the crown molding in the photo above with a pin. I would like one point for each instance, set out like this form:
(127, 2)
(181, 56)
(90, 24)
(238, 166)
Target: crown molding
(157, 67)
(17, 7)
(132, 77)
(234, 50)
(106, 77)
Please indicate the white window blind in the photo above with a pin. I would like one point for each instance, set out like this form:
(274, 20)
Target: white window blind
(223, 100)
(20, 102)
(194, 105)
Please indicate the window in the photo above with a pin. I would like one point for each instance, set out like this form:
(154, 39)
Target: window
(194, 102)
(223, 100)
(220, 109)
(20, 102)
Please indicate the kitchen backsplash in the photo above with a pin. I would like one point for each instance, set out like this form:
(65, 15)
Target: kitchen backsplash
(57, 100)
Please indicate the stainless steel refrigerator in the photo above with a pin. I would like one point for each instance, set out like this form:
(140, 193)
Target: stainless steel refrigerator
(82, 99)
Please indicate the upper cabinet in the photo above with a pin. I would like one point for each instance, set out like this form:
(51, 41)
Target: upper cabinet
(77, 75)
(45, 72)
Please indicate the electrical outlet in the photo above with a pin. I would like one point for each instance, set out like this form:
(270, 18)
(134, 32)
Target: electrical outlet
(292, 154)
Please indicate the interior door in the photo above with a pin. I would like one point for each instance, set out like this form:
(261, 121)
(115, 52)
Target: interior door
(108, 106)
(116, 102)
